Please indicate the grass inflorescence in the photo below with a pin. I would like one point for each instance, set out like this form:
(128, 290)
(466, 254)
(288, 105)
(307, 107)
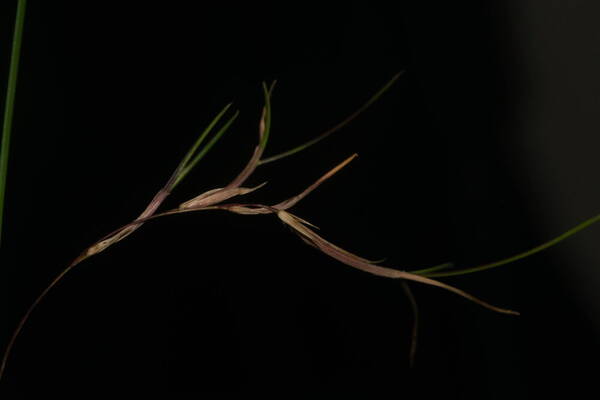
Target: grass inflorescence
(218, 199)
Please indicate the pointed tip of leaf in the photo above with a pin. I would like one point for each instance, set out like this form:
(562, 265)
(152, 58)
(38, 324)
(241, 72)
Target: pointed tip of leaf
(292, 201)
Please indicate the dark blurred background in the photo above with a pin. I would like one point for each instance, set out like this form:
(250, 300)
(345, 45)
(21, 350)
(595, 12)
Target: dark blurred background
(484, 148)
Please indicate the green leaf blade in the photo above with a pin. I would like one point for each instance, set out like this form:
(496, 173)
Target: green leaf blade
(337, 127)
(191, 164)
(9, 106)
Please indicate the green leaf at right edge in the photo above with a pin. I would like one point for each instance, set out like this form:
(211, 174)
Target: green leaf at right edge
(431, 274)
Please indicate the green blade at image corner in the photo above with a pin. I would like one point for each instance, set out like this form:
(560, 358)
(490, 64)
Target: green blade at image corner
(9, 104)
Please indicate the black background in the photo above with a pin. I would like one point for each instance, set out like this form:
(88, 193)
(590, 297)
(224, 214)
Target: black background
(110, 97)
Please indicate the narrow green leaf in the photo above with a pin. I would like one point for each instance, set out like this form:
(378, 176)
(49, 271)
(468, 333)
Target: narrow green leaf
(205, 133)
(516, 257)
(9, 105)
(434, 268)
(191, 164)
(337, 127)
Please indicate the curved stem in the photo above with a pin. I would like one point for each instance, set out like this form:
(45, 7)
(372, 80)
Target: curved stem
(32, 307)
